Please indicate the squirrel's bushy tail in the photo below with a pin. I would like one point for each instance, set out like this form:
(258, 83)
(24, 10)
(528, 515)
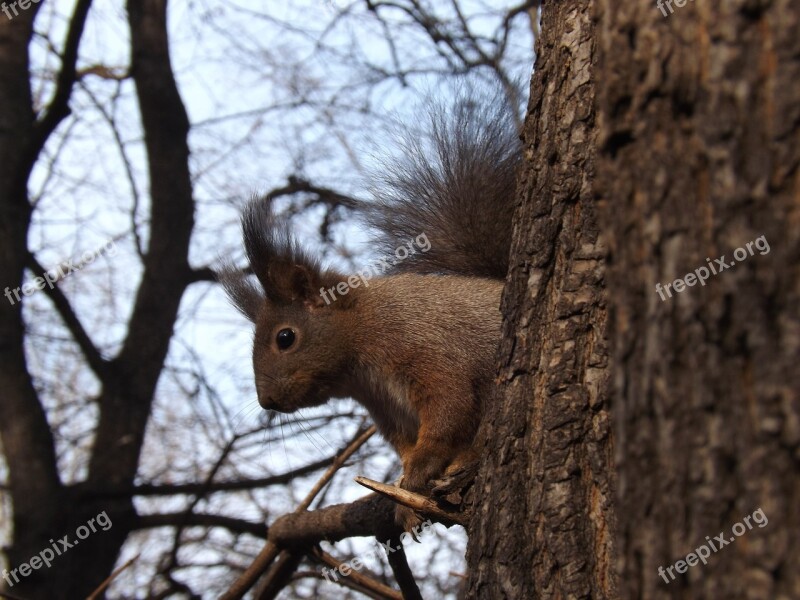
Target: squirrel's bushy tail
(458, 190)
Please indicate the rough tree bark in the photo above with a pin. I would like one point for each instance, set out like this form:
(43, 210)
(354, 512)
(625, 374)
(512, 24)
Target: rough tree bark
(699, 155)
(695, 120)
(544, 527)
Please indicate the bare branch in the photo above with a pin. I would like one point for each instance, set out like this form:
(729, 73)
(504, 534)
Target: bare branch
(297, 185)
(109, 580)
(59, 106)
(270, 550)
(104, 72)
(362, 580)
(223, 486)
(419, 503)
(279, 575)
(200, 520)
(402, 572)
(98, 364)
(372, 515)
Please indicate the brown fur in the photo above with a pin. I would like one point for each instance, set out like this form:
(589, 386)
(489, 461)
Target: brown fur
(415, 347)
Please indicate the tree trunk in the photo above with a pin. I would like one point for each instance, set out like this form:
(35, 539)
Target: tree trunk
(697, 135)
(544, 528)
(699, 156)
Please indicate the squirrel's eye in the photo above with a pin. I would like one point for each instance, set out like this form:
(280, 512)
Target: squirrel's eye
(285, 339)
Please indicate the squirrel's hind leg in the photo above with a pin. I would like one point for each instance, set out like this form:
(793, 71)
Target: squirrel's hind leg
(438, 450)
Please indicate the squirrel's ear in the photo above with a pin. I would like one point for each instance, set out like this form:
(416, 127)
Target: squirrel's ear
(286, 272)
(295, 282)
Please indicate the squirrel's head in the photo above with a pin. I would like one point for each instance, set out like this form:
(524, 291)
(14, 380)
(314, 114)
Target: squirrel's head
(301, 349)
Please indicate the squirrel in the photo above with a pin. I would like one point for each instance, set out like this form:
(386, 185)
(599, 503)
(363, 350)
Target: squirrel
(415, 346)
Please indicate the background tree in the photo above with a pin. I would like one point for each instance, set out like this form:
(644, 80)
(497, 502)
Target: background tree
(126, 387)
(699, 114)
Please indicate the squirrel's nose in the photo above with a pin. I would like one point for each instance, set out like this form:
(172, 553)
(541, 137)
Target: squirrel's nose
(265, 398)
(266, 402)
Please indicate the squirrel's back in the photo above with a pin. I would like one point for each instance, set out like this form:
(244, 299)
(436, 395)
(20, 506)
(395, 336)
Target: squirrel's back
(459, 190)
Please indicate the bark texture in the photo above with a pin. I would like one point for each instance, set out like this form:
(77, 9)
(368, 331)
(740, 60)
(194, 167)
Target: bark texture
(544, 525)
(699, 114)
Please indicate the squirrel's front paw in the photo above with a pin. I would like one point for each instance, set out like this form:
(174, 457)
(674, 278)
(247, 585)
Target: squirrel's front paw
(407, 519)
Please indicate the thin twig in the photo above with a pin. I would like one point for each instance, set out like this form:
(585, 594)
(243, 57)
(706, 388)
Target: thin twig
(417, 502)
(402, 572)
(270, 550)
(363, 580)
(102, 587)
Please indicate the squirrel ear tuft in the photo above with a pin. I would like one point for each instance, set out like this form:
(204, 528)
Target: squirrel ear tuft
(245, 294)
(287, 273)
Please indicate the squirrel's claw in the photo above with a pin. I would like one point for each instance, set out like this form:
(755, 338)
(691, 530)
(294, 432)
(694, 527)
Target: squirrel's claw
(408, 520)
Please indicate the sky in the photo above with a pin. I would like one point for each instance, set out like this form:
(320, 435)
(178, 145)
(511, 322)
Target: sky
(271, 89)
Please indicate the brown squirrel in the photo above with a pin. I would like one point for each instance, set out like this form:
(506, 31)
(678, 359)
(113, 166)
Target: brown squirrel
(416, 346)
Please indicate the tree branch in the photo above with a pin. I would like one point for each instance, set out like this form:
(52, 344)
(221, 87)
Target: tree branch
(222, 486)
(59, 106)
(402, 572)
(176, 519)
(98, 364)
(419, 503)
(125, 403)
(279, 575)
(270, 550)
(297, 185)
(371, 515)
